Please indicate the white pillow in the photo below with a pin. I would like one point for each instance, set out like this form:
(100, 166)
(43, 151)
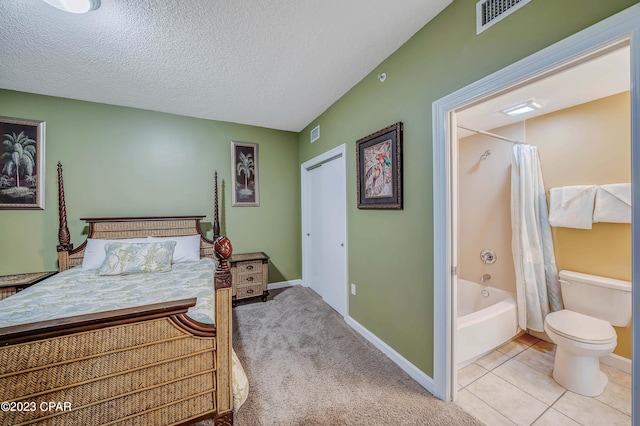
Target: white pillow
(187, 247)
(94, 252)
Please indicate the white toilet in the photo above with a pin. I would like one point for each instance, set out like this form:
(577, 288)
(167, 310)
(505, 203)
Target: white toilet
(583, 331)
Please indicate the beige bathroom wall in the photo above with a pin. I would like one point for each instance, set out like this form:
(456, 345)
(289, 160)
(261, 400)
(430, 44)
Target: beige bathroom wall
(589, 144)
(585, 144)
(484, 217)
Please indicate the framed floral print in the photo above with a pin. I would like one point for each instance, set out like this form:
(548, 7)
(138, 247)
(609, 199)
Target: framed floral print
(379, 169)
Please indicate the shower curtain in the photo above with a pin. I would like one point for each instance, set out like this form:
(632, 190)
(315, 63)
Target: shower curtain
(537, 286)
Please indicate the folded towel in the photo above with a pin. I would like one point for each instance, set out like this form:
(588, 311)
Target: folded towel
(613, 203)
(572, 206)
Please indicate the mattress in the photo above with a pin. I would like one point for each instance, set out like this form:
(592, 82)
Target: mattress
(78, 292)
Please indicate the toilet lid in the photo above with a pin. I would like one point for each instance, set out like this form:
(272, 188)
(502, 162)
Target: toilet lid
(581, 328)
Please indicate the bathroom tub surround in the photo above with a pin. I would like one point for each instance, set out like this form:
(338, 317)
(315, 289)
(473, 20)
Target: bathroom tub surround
(514, 385)
(487, 318)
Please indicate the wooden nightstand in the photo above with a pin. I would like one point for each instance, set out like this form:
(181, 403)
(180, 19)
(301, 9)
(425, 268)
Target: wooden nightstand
(250, 276)
(11, 284)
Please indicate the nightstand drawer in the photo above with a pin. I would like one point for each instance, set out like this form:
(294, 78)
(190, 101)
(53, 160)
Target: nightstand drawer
(6, 292)
(249, 267)
(249, 291)
(249, 279)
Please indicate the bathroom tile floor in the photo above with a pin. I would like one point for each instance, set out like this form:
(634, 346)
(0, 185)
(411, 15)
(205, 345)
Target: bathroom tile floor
(513, 385)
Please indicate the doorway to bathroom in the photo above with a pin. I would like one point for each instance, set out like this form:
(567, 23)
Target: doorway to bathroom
(580, 133)
(579, 127)
(605, 38)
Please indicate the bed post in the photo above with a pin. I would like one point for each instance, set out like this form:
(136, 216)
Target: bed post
(222, 250)
(222, 284)
(64, 237)
(216, 220)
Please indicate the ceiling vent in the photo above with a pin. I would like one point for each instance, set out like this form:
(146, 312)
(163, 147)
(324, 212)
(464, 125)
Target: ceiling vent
(488, 12)
(315, 133)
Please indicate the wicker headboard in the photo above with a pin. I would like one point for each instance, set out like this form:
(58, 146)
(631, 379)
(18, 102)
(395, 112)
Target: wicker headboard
(140, 227)
(136, 227)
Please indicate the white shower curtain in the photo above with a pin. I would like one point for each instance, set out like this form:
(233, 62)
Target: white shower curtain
(537, 286)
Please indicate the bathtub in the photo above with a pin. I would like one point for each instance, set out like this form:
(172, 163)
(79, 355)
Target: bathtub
(487, 318)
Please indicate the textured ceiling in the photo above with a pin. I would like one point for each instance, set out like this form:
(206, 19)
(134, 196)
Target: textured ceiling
(270, 63)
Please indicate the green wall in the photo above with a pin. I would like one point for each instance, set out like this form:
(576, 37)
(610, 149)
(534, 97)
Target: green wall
(122, 161)
(128, 162)
(391, 252)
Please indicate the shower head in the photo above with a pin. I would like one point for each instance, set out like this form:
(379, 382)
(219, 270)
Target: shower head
(485, 155)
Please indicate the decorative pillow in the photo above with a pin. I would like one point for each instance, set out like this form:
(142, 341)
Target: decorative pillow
(94, 253)
(187, 247)
(133, 258)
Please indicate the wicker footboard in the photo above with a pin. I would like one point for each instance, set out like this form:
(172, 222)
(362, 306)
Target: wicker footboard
(151, 371)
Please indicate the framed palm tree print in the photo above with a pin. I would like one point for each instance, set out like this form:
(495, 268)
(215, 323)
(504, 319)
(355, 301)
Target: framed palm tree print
(244, 169)
(21, 163)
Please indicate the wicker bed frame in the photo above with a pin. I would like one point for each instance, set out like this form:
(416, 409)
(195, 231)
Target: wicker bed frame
(146, 365)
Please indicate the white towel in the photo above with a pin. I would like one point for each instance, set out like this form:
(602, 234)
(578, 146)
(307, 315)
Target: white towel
(572, 206)
(613, 203)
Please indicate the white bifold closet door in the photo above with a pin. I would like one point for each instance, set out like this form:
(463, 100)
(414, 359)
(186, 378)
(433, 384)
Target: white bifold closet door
(327, 233)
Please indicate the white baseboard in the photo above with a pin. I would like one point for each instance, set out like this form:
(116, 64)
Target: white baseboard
(283, 284)
(413, 371)
(617, 361)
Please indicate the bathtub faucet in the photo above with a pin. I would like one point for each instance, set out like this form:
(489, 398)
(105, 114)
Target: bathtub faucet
(485, 277)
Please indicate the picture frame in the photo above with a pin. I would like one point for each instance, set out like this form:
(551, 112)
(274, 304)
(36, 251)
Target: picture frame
(22, 161)
(244, 171)
(379, 169)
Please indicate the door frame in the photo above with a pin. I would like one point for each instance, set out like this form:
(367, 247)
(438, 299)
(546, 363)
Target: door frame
(621, 28)
(337, 153)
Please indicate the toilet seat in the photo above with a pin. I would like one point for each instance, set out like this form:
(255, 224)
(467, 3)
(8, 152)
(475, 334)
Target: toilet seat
(580, 328)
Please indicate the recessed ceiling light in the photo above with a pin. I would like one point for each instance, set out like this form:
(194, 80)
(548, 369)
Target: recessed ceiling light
(522, 108)
(74, 6)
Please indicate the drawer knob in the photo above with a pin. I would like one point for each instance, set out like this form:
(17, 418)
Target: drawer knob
(249, 278)
(249, 267)
(250, 291)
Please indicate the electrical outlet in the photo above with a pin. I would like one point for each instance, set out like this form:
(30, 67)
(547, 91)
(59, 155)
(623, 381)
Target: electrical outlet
(353, 289)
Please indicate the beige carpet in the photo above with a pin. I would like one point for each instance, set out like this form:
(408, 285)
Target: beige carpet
(306, 366)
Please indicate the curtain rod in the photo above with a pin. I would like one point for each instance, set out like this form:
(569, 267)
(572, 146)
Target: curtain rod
(482, 132)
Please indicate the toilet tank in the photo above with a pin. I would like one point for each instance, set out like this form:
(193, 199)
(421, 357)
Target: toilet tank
(600, 297)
